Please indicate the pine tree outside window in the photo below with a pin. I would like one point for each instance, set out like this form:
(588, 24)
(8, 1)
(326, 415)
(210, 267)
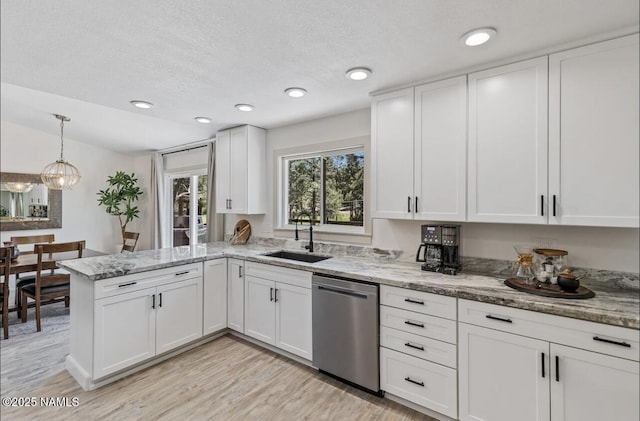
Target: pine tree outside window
(325, 189)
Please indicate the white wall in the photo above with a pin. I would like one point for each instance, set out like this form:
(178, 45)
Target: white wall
(25, 150)
(601, 248)
(590, 247)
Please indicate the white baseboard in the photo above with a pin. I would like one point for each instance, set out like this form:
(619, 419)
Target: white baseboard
(418, 408)
(85, 380)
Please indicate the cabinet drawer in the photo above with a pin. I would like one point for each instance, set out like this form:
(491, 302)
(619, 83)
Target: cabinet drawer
(611, 340)
(296, 277)
(121, 284)
(425, 348)
(430, 385)
(419, 324)
(421, 302)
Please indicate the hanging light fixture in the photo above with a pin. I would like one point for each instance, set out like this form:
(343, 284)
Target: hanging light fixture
(60, 175)
(19, 187)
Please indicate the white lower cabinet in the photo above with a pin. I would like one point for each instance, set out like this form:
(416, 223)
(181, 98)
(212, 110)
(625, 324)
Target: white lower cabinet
(235, 295)
(512, 368)
(592, 386)
(260, 310)
(293, 319)
(125, 331)
(501, 376)
(277, 307)
(214, 292)
(418, 348)
(178, 314)
(138, 325)
(422, 382)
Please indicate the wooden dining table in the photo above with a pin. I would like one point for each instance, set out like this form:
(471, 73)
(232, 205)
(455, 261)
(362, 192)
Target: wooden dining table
(28, 261)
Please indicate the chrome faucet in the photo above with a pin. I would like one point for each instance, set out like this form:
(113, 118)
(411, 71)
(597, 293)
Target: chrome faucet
(297, 219)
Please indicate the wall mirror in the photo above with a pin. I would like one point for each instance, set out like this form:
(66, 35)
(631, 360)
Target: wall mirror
(27, 204)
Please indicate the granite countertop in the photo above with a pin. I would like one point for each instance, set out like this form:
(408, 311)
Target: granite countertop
(611, 305)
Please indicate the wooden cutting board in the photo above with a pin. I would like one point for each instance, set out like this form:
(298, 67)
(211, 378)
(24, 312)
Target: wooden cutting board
(241, 232)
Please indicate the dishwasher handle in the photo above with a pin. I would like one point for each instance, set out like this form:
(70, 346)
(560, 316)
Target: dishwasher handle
(343, 291)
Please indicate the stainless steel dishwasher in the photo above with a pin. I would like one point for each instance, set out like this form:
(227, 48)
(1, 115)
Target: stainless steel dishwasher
(345, 330)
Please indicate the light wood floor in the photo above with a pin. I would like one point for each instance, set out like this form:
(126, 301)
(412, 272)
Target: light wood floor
(227, 379)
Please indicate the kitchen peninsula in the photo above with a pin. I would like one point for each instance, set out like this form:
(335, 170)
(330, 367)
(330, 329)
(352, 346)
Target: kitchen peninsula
(133, 310)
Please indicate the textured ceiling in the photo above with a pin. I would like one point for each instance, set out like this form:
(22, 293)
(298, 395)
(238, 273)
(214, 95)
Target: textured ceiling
(88, 59)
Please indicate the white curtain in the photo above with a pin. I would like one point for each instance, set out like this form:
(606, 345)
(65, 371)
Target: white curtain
(160, 217)
(215, 222)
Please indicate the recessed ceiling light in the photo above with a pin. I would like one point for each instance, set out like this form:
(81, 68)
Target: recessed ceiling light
(244, 107)
(358, 73)
(478, 36)
(295, 92)
(204, 120)
(142, 104)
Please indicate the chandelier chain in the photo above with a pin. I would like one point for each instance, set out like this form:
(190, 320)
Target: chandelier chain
(61, 139)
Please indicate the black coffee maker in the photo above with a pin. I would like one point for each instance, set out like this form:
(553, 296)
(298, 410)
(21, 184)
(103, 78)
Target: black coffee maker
(440, 249)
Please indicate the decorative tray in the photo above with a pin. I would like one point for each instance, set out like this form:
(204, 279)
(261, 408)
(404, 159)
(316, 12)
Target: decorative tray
(550, 290)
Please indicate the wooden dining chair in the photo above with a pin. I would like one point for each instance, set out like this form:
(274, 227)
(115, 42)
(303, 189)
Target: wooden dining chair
(5, 268)
(49, 286)
(130, 241)
(28, 278)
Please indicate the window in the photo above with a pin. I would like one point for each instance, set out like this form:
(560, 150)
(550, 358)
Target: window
(325, 189)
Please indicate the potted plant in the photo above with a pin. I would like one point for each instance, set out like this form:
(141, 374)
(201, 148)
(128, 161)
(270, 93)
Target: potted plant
(119, 198)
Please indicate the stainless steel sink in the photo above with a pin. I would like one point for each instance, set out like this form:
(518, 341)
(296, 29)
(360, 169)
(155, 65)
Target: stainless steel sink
(300, 257)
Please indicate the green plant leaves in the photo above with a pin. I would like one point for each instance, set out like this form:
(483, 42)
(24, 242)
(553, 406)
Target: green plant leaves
(119, 196)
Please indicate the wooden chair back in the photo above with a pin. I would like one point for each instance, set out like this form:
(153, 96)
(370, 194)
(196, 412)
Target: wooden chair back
(5, 268)
(51, 250)
(5, 260)
(130, 241)
(33, 239)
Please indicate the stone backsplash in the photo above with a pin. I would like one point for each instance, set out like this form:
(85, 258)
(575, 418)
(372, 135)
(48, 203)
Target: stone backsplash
(483, 266)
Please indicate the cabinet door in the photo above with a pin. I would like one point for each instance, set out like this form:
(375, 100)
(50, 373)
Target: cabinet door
(593, 134)
(259, 309)
(508, 143)
(125, 331)
(392, 155)
(590, 386)
(235, 300)
(293, 320)
(441, 150)
(502, 377)
(214, 292)
(238, 173)
(223, 171)
(178, 314)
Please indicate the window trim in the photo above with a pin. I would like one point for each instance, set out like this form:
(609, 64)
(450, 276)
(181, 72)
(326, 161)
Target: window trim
(323, 151)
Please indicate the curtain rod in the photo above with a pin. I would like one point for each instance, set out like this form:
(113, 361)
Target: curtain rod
(185, 149)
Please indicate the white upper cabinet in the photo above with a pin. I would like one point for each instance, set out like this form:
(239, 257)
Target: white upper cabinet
(593, 134)
(241, 171)
(440, 167)
(419, 152)
(508, 143)
(392, 155)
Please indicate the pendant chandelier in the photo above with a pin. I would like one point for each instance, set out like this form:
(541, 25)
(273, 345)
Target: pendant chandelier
(60, 175)
(19, 187)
